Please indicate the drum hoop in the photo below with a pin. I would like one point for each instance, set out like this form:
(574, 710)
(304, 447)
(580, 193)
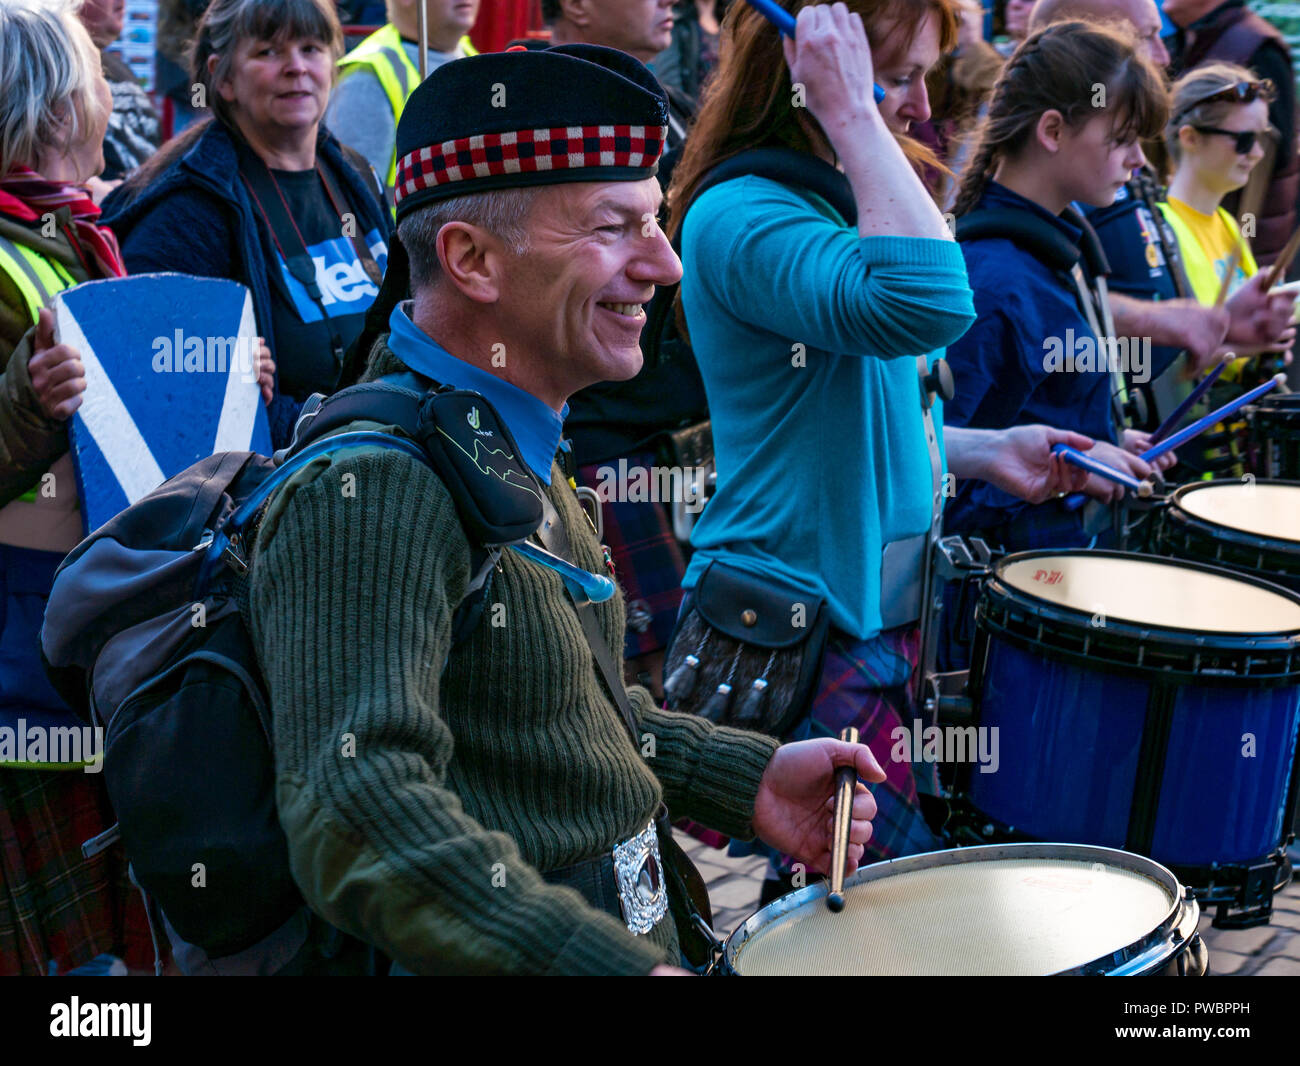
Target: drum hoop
(1277, 406)
(1164, 942)
(1279, 640)
(1245, 666)
(1211, 883)
(1255, 541)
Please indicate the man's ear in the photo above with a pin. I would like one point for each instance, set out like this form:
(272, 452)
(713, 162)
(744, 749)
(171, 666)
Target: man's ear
(1050, 130)
(472, 260)
(226, 90)
(576, 11)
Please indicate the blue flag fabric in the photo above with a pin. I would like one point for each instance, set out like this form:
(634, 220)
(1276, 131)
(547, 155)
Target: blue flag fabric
(171, 378)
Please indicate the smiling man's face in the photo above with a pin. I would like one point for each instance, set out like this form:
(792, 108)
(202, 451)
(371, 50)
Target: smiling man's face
(576, 300)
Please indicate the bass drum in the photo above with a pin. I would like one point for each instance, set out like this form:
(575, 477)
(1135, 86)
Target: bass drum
(1250, 526)
(1008, 910)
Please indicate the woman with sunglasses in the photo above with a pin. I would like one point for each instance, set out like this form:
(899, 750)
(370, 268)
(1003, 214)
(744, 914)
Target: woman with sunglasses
(1217, 134)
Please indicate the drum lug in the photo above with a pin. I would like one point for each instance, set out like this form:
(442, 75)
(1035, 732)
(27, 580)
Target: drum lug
(945, 695)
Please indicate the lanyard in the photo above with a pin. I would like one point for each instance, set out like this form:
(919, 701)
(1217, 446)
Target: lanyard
(275, 212)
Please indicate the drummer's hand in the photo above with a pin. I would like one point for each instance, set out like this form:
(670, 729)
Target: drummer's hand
(1108, 491)
(664, 970)
(1136, 442)
(1200, 330)
(794, 808)
(831, 58)
(1258, 318)
(1020, 461)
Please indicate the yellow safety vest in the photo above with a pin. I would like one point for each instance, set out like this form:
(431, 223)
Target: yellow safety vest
(39, 280)
(383, 55)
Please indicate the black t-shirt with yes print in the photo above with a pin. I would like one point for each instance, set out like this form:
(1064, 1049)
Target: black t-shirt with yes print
(307, 333)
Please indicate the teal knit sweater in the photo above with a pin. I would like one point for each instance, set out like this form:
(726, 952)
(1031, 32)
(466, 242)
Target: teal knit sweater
(420, 806)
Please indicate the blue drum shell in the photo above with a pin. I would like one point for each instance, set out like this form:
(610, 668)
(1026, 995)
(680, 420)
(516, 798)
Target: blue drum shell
(1069, 740)
(1070, 705)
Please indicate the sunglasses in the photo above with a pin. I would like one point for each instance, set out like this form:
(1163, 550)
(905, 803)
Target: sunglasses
(1244, 92)
(1245, 139)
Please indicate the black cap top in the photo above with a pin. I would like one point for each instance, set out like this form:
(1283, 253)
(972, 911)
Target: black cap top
(576, 112)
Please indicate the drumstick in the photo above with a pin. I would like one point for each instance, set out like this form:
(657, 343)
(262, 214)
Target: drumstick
(1234, 261)
(1202, 424)
(846, 781)
(1283, 261)
(1096, 466)
(784, 22)
(1167, 426)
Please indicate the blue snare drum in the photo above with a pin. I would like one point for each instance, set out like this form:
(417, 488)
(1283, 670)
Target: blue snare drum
(1250, 525)
(1145, 704)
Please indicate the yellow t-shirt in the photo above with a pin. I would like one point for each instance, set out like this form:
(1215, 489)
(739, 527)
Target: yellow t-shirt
(1205, 243)
(1213, 239)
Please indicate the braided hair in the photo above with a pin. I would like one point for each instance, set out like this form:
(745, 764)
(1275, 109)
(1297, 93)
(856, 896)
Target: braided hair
(1066, 67)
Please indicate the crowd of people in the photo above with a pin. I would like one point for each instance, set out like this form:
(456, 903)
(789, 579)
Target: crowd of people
(697, 242)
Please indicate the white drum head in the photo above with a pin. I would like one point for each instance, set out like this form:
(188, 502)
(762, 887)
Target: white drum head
(1152, 592)
(1262, 509)
(1001, 917)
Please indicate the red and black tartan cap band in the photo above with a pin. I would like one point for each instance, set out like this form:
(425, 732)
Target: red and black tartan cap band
(540, 156)
(541, 117)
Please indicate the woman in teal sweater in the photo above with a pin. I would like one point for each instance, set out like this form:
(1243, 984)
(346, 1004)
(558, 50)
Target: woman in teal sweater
(807, 330)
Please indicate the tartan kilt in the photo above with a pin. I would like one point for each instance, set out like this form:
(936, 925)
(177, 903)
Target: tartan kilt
(873, 686)
(649, 563)
(59, 910)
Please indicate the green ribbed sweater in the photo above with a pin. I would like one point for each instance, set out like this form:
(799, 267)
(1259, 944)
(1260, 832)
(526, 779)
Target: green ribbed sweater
(419, 807)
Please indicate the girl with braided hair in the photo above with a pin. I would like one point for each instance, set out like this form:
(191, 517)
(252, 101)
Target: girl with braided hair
(1063, 125)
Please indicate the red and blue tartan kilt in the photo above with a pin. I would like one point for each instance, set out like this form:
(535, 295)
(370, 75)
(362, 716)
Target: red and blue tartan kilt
(873, 685)
(648, 561)
(57, 907)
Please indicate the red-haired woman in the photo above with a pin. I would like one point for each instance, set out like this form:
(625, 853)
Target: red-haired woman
(809, 322)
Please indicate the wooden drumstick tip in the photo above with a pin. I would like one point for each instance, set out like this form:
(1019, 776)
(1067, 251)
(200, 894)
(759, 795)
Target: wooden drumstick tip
(835, 901)
(1145, 490)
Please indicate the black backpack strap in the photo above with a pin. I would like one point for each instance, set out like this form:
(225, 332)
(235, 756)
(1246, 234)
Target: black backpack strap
(391, 401)
(490, 498)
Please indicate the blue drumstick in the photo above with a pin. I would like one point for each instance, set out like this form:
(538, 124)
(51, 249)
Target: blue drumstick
(784, 21)
(1096, 466)
(1167, 426)
(1202, 424)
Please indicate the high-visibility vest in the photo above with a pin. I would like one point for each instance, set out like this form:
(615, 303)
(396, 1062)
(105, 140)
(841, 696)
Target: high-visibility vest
(39, 280)
(383, 55)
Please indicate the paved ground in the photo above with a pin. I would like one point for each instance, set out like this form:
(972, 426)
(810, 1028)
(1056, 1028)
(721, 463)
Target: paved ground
(1270, 950)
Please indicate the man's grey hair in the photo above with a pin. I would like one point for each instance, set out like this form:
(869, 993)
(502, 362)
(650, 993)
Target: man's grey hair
(502, 212)
(50, 69)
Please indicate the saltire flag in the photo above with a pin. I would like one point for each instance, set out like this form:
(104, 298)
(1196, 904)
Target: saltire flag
(171, 378)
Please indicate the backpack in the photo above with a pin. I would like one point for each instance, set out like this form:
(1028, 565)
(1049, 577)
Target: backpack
(143, 635)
